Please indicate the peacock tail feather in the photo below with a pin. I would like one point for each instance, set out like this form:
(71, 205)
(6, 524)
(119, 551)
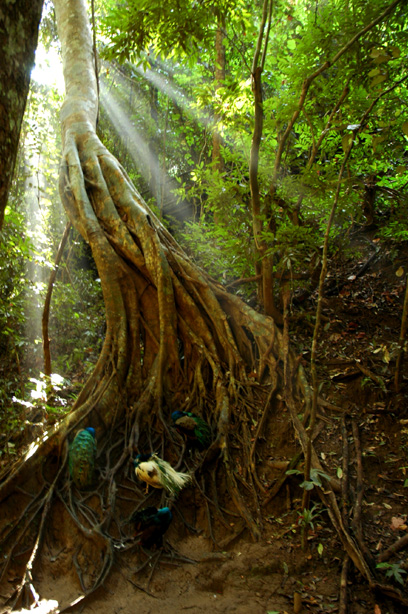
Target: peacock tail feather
(173, 481)
(82, 458)
(159, 473)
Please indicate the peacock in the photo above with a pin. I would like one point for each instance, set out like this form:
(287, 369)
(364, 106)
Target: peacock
(196, 430)
(159, 473)
(82, 458)
(151, 524)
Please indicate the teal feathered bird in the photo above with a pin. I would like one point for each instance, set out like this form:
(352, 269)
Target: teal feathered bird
(159, 473)
(196, 430)
(151, 524)
(82, 458)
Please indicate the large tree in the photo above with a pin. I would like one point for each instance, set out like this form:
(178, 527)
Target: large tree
(19, 22)
(175, 339)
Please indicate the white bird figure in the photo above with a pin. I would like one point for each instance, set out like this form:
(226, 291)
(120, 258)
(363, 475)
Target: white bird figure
(159, 473)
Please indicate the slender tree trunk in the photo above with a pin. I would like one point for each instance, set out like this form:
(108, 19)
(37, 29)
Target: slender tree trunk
(46, 310)
(253, 176)
(216, 156)
(402, 338)
(219, 80)
(264, 262)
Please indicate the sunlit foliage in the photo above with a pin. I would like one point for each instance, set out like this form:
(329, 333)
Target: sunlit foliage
(302, 38)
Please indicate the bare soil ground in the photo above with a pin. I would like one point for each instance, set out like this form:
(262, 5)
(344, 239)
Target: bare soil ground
(209, 567)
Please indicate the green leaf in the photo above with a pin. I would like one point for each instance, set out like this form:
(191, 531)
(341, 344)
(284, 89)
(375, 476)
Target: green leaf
(308, 485)
(346, 141)
(380, 59)
(378, 79)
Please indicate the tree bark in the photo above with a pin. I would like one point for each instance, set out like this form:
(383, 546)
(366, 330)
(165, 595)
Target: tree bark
(19, 22)
(47, 302)
(264, 263)
(217, 158)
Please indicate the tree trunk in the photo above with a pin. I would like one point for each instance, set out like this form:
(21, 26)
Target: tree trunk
(19, 22)
(219, 80)
(264, 263)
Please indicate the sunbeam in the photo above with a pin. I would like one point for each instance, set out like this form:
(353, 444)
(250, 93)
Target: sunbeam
(162, 184)
(183, 101)
(180, 98)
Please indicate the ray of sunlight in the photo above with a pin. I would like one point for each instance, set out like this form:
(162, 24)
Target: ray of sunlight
(162, 84)
(144, 159)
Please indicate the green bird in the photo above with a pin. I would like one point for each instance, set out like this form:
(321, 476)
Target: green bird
(82, 458)
(196, 430)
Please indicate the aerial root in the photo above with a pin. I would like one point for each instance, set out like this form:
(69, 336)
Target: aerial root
(156, 559)
(356, 524)
(343, 601)
(293, 463)
(238, 500)
(258, 433)
(207, 507)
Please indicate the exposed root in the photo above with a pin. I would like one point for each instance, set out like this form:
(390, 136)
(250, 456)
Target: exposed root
(400, 544)
(343, 602)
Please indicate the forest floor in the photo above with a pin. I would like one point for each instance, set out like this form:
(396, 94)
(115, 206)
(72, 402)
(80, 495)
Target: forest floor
(362, 314)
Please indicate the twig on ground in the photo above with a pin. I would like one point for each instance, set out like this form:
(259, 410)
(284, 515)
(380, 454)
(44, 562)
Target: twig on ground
(395, 547)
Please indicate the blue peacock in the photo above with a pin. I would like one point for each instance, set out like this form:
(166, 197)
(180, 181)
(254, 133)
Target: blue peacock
(151, 524)
(82, 458)
(159, 473)
(193, 427)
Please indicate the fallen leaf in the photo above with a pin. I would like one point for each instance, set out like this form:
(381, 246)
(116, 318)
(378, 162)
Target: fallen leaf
(377, 609)
(397, 523)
